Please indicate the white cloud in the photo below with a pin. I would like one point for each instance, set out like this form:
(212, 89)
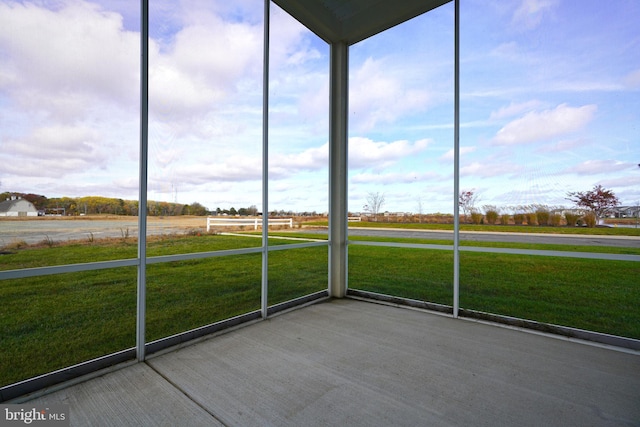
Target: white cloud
(69, 106)
(55, 60)
(582, 86)
(45, 168)
(631, 182)
(202, 67)
(544, 125)
(174, 95)
(593, 167)
(507, 50)
(378, 97)
(314, 158)
(449, 155)
(563, 145)
(513, 109)
(530, 13)
(365, 153)
(394, 178)
(248, 167)
(58, 142)
(233, 169)
(488, 169)
(54, 151)
(290, 42)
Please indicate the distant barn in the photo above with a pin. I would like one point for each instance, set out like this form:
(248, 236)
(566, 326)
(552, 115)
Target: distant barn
(16, 206)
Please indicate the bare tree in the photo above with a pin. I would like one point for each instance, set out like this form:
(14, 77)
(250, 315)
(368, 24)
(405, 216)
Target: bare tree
(466, 201)
(374, 203)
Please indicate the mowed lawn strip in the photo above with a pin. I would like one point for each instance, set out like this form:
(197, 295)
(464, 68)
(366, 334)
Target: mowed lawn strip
(54, 321)
(449, 242)
(50, 322)
(597, 295)
(601, 231)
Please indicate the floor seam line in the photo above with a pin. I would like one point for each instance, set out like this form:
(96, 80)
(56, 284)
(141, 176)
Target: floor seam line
(186, 394)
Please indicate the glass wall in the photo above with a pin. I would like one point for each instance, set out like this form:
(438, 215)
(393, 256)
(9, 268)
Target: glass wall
(294, 273)
(185, 295)
(401, 158)
(70, 116)
(298, 125)
(69, 127)
(69, 137)
(417, 274)
(51, 322)
(205, 120)
(560, 291)
(541, 103)
(547, 95)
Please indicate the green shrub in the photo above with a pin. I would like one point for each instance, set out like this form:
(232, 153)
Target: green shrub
(542, 215)
(572, 219)
(491, 216)
(532, 218)
(556, 220)
(504, 219)
(518, 219)
(590, 220)
(476, 218)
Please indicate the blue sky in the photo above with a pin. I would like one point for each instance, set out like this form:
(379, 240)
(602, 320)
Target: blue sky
(550, 103)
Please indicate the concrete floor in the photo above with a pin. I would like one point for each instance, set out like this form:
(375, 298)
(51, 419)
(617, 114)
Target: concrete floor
(355, 363)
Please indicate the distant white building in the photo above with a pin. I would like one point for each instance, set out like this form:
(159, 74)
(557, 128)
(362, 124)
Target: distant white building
(16, 206)
(625, 211)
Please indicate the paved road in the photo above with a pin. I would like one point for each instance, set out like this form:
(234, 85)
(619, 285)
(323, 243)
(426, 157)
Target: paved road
(618, 241)
(37, 231)
(63, 230)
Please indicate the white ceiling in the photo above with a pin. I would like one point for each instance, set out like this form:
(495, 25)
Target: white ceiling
(354, 20)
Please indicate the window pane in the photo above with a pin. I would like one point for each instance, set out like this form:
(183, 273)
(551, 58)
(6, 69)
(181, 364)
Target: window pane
(185, 295)
(419, 274)
(205, 115)
(298, 123)
(69, 122)
(52, 322)
(400, 157)
(548, 95)
(561, 291)
(295, 273)
(547, 99)
(401, 120)
(197, 241)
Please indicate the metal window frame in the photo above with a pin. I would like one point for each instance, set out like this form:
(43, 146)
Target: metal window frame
(337, 243)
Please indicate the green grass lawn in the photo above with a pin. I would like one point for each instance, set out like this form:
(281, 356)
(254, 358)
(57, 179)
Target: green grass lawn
(601, 231)
(596, 295)
(50, 322)
(53, 321)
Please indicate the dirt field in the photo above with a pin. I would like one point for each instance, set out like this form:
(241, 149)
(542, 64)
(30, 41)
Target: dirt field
(36, 229)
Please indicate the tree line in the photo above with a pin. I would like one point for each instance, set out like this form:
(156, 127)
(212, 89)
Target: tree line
(591, 207)
(98, 205)
(594, 203)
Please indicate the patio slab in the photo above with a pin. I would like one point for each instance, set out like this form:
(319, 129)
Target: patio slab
(349, 362)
